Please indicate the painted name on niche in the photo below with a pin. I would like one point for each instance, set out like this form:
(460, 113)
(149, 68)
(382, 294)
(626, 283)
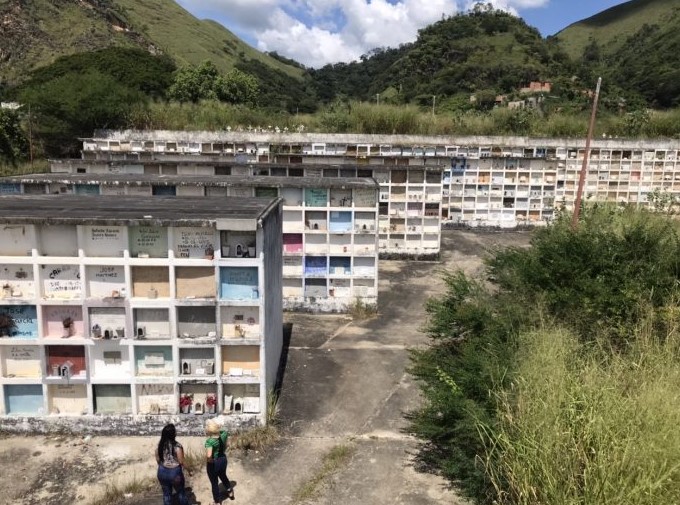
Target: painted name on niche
(105, 233)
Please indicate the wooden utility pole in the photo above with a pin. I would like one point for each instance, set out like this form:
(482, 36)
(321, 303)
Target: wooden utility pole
(30, 136)
(586, 155)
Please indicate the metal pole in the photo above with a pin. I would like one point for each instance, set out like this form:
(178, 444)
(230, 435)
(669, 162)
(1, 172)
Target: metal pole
(586, 155)
(434, 99)
(377, 98)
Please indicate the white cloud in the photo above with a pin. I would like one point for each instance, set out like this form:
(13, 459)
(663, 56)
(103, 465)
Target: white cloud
(317, 32)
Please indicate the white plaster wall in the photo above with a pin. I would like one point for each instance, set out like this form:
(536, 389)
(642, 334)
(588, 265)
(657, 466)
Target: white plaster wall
(139, 190)
(104, 241)
(271, 259)
(106, 367)
(103, 280)
(17, 240)
(113, 190)
(190, 191)
(58, 240)
(21, 361)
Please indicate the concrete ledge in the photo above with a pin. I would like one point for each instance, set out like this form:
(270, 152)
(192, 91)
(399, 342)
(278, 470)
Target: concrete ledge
(122, 425)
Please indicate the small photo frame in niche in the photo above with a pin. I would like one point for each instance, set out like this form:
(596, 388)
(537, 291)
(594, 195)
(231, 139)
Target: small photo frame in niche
(112, 357)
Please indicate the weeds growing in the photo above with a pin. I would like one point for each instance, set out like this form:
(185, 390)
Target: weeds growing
(333, 461)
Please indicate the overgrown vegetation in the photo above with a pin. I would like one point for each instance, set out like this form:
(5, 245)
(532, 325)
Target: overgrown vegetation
(116, 493)
(542, 388)
(261, 437)
(332, 462)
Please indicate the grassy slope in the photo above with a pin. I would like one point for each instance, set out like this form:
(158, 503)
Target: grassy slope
(35, 33)
(611, 27)
(40, 31)
(190, 40)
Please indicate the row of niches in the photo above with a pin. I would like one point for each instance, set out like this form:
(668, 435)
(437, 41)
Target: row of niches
(311, 197)
(111, 362)
(22, 322)
(319, 288)
(116, 241)
(64, 282)
(125, 399)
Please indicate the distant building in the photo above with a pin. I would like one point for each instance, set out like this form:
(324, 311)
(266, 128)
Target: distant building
(537, 87)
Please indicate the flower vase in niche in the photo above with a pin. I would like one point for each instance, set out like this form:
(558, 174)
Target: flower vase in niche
(185, 403)
(251, 250)
(96, 331)
(153, 293)
(68, 328)
(210, 404)
(6, 290)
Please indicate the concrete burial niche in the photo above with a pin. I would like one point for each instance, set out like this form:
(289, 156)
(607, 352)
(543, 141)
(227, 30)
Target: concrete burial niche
(112, 399)
(21, 361)
(16, 282)
(198, 393)
(107, 323)
(67, 361)
(152, 324)
(196, 321)
(241, 399)
(105, 281)
(241, 360)
(56, 318)
(25, 320)
(150, 282)
(153, 361)
(24, 399)
(240, 322)
(195, 282)
(18, 240)
(194, 242)
(61, 281)
(104, 241)
(197, 361)
(156, 399)
(58, 240)
(68, 399)
(239, 283)
(109, 360)
(148, 241)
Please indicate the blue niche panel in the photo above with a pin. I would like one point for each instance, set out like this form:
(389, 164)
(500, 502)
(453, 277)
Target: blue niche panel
(239, 283)
(25, 318)
(316, 266)
(340, 222)
(9, 188)
(24, 399)
(87, 189)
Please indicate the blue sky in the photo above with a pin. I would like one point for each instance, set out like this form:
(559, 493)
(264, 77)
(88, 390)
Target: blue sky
(317, 32)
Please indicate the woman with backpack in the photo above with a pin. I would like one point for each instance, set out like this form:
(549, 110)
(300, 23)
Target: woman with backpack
(216, 458)
(170, 459)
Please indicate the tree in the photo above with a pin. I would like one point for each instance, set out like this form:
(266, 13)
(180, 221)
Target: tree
(238, 88)
(13, 142)
(74, 105)
(204, 82)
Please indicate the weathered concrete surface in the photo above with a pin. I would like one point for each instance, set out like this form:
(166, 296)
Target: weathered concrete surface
(345, 383)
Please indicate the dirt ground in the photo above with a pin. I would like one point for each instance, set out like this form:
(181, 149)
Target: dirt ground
(345, 384)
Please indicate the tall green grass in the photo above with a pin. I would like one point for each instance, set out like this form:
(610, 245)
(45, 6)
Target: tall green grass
(367, 118)
(582, 425)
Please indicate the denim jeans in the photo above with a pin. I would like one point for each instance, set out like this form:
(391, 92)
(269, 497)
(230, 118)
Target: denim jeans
(172, 478)
(218, 470)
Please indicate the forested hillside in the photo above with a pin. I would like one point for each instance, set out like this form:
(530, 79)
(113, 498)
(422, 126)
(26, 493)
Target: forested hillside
(483, 51)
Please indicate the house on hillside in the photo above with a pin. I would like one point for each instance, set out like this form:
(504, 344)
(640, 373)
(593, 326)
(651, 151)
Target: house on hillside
(537, 87)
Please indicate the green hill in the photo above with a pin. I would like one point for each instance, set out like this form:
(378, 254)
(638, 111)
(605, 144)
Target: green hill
(480, 51)
(610, 28)
(36, 33)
